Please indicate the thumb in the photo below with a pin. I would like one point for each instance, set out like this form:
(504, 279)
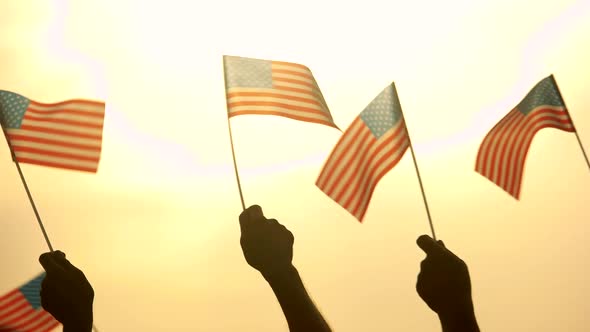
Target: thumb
(427, 244)
(250, 215)
(49, 261)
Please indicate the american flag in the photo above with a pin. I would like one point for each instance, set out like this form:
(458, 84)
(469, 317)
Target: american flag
(21, 311)
(503, 152)
(64, 135)
(373, 144)
(268, 87)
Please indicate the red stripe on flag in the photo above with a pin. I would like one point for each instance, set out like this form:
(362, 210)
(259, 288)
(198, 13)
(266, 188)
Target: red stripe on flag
(45, 152)
(292, 72)
(16, 137)
(273, 95)
(97, 115)
(287, 115)
(276, 104)
(58, 165)
(68, 102)
(296, 65)
(60, 132)
(63, 121)
(293, 81)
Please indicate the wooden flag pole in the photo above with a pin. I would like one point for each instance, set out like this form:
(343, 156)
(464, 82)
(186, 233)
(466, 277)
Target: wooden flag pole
(421, 188)
(22, 177)
(417, 171)
(580, 142)
(233, 153)
(572, 120)
(231, 141)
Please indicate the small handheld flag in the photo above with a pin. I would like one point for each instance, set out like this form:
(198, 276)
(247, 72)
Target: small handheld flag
(64, 135)
(373, 144)
(266, 87)
(21, 311)
(503, 152)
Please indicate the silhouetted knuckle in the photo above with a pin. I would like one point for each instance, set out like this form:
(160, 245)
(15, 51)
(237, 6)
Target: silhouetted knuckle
(79, 274)
(462, 264)
(43, 258)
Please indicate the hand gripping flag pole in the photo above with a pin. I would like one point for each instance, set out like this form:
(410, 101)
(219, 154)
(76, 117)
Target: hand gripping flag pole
(44, 134)
(572, 122)
(22, 177)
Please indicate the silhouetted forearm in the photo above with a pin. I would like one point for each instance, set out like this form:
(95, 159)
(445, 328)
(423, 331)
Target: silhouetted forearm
(300, 311)
(77, 328)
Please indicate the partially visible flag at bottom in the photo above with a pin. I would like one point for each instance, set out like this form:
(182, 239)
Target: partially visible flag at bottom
(21, 311)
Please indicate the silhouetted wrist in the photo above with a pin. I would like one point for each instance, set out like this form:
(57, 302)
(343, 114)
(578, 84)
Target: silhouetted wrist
(80, 324)
(86, 327)
(281, 276)
(459, 320)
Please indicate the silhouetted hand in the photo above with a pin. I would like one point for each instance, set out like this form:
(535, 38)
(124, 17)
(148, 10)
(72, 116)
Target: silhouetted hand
(445, 286)
(267, 245)
(66, 293)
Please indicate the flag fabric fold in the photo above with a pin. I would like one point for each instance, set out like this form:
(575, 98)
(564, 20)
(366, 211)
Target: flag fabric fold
(502, 154)
(267, 87)
(373, 144)
(21, 311)
(64, 135)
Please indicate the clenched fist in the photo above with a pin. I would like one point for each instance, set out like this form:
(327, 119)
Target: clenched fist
(267, 245)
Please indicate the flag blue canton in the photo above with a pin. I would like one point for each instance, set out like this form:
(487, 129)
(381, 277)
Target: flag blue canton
(12, 108)
(544, 93)
(32, 291)
(247, 73)
(383, 112)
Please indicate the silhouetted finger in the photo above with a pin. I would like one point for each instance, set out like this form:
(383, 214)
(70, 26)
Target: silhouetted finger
(428, 245)
(63, 262)
(441, 243)
(59, 254)
(250, 215)
(50, 264)
(255, 212)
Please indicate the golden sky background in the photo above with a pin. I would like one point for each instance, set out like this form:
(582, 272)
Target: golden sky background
(156, 229)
